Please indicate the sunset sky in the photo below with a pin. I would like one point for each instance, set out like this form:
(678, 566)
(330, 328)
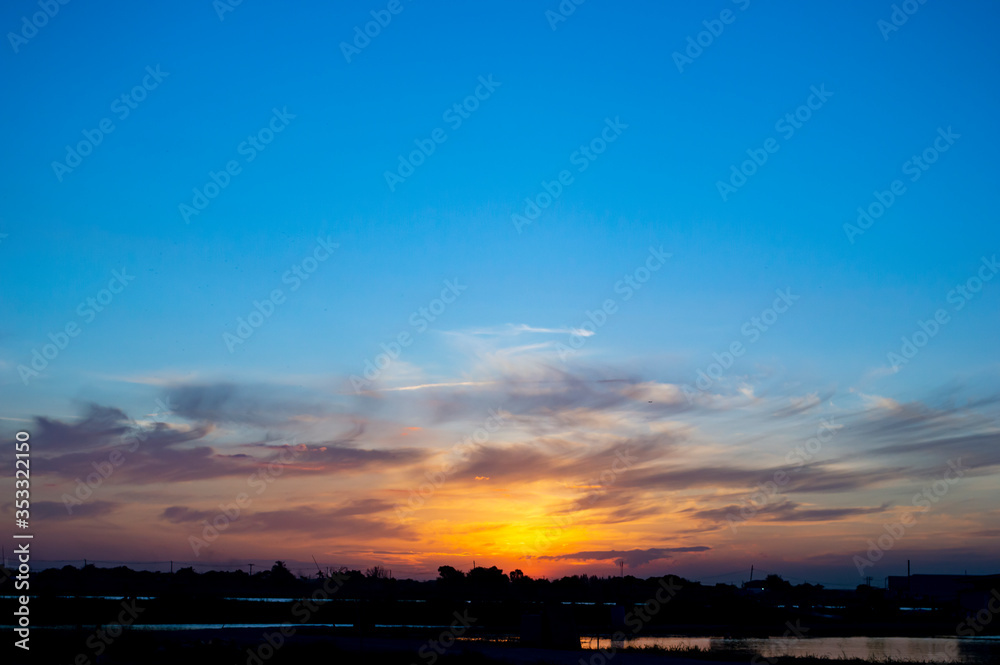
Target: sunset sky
(627, 286)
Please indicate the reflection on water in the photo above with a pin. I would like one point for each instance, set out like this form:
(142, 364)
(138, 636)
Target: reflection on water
(944, 650)
(918, 649)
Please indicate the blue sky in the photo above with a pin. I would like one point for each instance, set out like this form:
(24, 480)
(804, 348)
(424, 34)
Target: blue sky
(655, 185)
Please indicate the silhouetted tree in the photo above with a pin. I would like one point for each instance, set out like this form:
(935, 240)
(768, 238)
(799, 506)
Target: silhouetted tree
(376, 573)
(776, 583)
(487, 577)
(450, 575)
(280, 574)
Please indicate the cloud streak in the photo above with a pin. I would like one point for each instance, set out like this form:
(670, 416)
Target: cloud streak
(633, 558)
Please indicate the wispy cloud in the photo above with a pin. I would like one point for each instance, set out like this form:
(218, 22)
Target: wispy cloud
(789, 511)
(522, 328)
(449, 384)
(632, 558)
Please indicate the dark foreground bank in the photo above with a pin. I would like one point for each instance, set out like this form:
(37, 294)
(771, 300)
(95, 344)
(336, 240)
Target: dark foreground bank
(251, 646)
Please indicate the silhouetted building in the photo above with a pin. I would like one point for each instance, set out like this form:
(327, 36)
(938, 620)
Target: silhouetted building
(939, 590)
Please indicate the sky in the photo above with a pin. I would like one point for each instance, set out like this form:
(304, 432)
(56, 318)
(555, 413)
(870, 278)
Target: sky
(536, 285)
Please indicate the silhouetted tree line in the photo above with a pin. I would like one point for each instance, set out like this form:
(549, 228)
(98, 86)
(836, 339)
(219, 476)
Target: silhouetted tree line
(499, 598)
